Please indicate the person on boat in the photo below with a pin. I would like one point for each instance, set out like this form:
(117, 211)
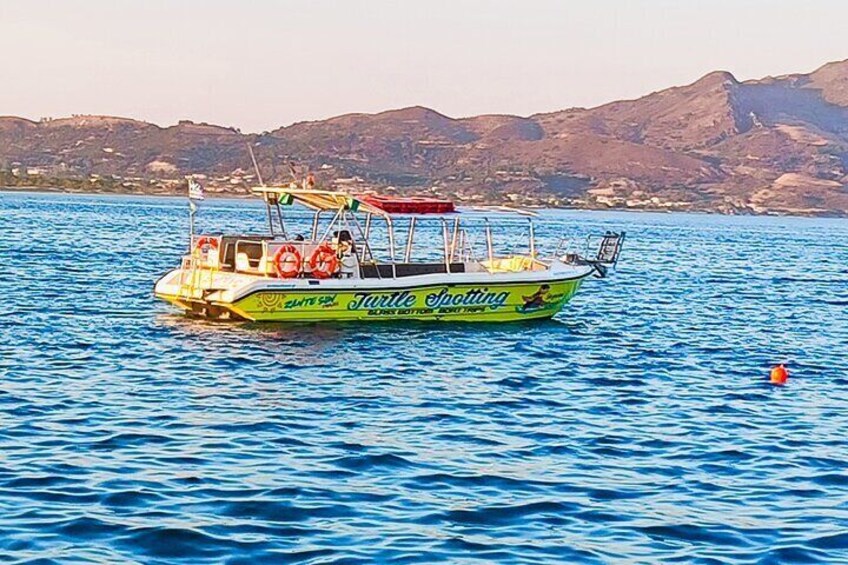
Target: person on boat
(343, 242)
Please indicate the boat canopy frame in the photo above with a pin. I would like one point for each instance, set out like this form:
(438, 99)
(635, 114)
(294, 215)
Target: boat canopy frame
(455, 240)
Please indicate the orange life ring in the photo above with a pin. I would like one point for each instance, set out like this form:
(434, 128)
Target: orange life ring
(205, 240)
(323, 262)
(287, 262)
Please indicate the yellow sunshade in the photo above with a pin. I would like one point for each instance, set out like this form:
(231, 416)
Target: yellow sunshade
(320, 199)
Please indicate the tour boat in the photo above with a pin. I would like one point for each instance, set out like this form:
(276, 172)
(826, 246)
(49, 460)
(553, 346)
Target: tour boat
(337, 272)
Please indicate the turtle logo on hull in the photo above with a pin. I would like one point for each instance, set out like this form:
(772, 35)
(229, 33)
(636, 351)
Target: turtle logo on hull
(539, 300)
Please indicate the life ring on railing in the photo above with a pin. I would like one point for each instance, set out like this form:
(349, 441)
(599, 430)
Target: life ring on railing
(324, 263)
(205, 240)
(287, 262)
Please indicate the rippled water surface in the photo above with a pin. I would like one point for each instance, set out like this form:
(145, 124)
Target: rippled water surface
(635, 427)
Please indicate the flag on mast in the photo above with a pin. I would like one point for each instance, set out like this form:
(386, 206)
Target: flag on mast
(195, 190)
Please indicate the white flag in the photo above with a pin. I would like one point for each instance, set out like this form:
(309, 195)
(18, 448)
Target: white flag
(195, 190)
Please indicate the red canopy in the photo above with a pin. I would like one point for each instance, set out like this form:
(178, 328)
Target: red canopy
(409, 205)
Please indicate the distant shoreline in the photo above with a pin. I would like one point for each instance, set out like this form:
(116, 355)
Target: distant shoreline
(235, 196)
(53, 190)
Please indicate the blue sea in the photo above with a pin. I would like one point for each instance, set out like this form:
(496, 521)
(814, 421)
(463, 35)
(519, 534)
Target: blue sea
(638, 426)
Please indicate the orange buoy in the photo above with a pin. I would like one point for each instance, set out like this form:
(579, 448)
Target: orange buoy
(779, 374)
(323, 262)
(287, 262)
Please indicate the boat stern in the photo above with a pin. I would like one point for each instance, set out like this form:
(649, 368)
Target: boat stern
(201, 292)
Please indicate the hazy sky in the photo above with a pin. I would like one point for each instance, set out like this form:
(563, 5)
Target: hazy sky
(264, 63)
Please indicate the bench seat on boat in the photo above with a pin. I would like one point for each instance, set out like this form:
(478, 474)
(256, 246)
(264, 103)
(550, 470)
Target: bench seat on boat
(514, 264)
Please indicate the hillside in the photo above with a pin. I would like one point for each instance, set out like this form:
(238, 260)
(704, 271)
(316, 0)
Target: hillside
(776, 145)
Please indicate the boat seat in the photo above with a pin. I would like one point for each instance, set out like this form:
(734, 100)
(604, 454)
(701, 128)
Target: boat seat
(228, 246)
(244, 264)
(513, 264)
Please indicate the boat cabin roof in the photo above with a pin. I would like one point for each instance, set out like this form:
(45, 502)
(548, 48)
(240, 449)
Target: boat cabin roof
(318, 200)
(328, 200)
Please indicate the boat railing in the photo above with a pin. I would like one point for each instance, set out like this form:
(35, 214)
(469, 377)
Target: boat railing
(600, 252)
(605, 249)
(194, 277)
(564, 247)
(466, 248)
(197, 271)
(254, 256)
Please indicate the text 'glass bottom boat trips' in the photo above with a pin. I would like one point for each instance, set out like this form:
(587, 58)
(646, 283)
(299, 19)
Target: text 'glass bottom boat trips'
(334, 274)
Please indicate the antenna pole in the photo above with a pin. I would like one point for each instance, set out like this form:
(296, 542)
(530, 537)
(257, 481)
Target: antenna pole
(489, 243)
(192, 209)
(255, 165)
(532, 240)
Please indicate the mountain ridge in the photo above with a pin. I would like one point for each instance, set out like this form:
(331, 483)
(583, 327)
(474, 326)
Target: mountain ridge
(773, 145)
